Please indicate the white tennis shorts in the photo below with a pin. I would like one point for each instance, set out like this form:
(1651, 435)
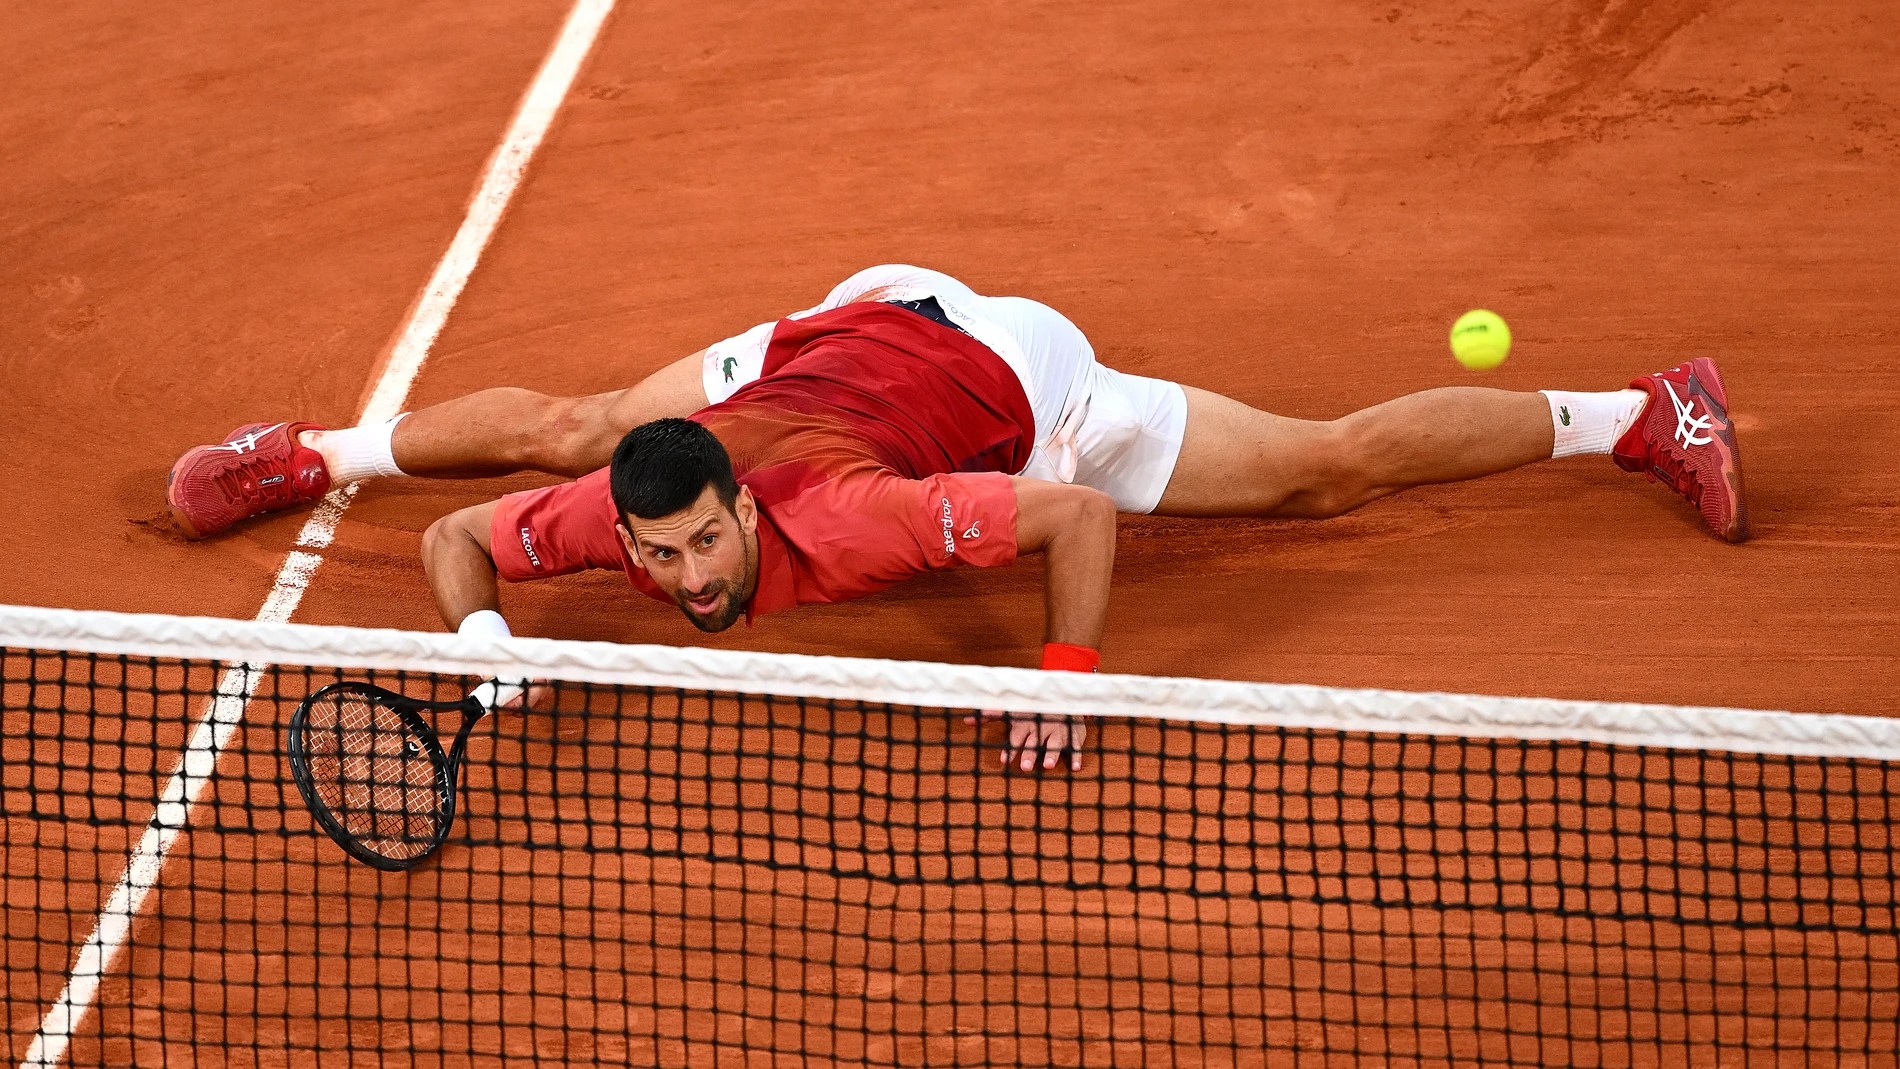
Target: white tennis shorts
(1096, 426)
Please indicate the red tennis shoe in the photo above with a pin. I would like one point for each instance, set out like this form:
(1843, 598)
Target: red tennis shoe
(259, 468)
(1685, 441)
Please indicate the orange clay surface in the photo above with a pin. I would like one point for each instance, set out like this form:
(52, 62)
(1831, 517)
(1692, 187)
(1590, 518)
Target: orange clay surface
(218, 215)
(220, 212)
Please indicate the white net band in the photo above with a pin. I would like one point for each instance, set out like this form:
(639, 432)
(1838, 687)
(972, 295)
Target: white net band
(931, 685)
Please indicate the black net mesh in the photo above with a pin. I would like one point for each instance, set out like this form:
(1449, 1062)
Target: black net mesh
(692, 879)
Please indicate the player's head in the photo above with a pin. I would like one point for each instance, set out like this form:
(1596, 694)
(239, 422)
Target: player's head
(686, 520)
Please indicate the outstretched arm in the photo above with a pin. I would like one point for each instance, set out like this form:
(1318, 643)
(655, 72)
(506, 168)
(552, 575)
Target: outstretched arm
(1073, 527)
(460, 564)
(461, 569)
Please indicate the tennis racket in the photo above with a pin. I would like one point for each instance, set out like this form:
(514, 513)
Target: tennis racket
(374, 773)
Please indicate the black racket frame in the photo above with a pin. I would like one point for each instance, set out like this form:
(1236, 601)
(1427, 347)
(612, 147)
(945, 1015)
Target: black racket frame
(446, 765)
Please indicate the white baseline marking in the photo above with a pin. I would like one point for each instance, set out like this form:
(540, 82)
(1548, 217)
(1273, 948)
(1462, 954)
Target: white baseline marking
(199, 762)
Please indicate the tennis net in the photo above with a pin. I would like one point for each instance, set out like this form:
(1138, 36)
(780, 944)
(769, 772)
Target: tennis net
(710, 858)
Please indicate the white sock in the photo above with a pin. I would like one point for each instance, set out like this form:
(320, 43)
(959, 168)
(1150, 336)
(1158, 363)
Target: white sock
(1592, 422)
(356, 453)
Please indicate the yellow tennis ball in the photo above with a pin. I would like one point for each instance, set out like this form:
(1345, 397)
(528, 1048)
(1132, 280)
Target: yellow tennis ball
(1480, 340)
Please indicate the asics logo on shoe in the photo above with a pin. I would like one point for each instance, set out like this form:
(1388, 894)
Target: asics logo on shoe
(1689, 426)
(248, 443)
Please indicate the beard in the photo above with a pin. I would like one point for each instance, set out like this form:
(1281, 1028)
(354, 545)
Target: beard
(727, 614)
(733, 603)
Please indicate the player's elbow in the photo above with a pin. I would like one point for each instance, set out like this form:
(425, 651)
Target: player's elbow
(1050, 513)
(1087, 515)
(450, 537)
(1093, 508)
(436, 537)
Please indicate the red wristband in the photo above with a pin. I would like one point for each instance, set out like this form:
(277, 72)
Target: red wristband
(1063, 657)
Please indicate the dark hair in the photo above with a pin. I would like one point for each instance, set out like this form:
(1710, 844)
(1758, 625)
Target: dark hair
(662, 467)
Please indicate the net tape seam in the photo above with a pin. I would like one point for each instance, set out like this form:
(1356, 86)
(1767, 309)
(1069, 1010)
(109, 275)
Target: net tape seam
(933, 685)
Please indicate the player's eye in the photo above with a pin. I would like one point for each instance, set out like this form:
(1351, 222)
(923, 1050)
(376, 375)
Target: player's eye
(706, 542)
(662, 554)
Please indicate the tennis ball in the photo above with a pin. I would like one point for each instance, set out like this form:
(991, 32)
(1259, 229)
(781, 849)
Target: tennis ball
(1480, 340)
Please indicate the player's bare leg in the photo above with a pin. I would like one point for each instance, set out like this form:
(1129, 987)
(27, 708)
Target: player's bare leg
(263, 468)
(1672, 427)
(505, 430)
(501, 431)
(1240, 461)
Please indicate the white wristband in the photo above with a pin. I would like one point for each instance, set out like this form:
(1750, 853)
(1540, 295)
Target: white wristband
(500, 693)
(496, 693)
(484, 623)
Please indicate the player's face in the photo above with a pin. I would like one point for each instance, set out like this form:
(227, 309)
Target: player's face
(705, 556)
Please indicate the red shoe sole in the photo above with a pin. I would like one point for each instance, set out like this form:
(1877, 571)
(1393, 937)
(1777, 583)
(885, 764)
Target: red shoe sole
(179, 519)
(1729, 528)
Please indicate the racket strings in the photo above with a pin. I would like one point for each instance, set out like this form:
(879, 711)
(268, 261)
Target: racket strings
(375, 776)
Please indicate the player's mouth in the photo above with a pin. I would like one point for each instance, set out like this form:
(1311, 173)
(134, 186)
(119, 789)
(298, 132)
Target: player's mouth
(704, 606)
(712, 611)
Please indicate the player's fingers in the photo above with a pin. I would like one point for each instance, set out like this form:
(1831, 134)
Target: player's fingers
(1052, 734)
(1062, 734)
(1051, 739)
(1024, 740)
(1046, 745)
(1078, 733)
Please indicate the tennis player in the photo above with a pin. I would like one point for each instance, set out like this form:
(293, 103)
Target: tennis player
(908, 423)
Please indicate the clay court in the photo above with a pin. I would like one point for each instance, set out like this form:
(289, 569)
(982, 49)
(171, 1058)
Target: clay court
(224, 213)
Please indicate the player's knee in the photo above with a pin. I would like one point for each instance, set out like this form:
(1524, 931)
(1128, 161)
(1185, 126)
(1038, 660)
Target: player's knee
(1334, 467)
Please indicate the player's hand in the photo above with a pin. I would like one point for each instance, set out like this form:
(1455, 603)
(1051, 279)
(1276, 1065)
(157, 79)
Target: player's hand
(1038, 738)
(512, 695)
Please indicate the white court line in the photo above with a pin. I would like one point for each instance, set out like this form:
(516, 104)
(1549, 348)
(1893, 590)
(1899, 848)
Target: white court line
(200, 760)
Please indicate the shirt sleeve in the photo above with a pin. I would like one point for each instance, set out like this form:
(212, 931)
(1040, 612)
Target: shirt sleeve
(556, 530)
(865, 533)
(964, 518)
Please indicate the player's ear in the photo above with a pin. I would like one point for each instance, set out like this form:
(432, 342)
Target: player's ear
(627, 543)
(746, 509)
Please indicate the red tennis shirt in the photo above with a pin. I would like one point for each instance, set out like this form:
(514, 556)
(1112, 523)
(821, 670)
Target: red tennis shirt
(875, 442)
